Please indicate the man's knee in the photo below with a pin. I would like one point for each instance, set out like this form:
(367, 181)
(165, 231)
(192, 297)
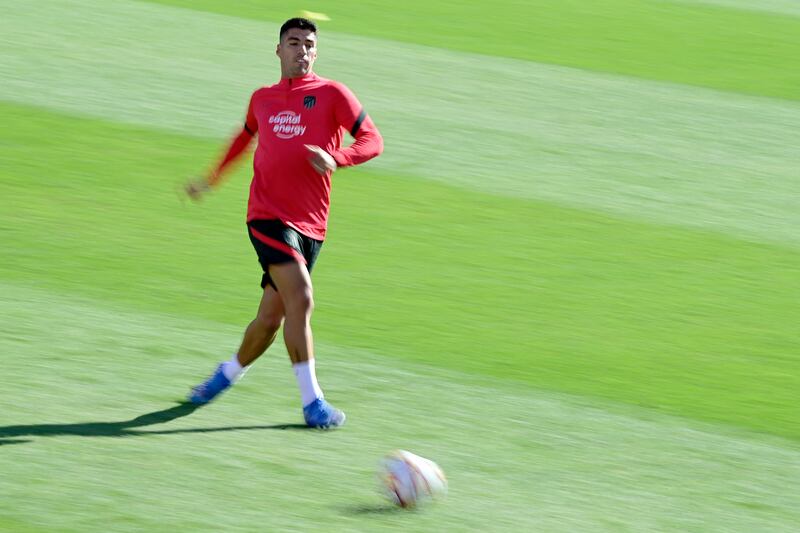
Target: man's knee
(300, 299)
(269, 322)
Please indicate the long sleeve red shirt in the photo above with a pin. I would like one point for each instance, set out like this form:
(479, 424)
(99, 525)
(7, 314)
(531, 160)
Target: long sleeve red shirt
(287, 116)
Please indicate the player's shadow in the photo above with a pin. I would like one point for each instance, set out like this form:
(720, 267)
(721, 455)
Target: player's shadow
(127, 428)
(376, 509)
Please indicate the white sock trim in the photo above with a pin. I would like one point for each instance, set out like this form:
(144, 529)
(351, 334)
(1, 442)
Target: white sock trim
(306, 375)
(232, 369)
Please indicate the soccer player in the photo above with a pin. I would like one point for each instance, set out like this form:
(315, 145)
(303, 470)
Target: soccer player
(300, 123)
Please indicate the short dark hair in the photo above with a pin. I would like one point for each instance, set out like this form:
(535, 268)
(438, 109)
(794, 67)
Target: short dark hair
(297, 22)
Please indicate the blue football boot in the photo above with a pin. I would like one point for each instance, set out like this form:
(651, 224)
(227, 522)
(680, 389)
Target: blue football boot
(210, 388)
(320, 414)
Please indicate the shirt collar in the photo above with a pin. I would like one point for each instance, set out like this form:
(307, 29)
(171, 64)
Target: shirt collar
(299, 81)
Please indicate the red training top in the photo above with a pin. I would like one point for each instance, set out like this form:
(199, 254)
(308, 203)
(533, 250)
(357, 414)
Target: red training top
(287, 116)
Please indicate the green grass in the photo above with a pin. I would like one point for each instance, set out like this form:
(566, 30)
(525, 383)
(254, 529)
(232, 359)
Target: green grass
(662, 153)
(683, 42)
(585, 312)
(94, 442)
(558, 298)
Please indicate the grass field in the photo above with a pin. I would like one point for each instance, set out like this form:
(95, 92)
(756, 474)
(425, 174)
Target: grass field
(572, 279)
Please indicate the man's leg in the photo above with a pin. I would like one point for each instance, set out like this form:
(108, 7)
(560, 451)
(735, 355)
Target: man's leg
(258, 336)
(262, 331)
(294, 286)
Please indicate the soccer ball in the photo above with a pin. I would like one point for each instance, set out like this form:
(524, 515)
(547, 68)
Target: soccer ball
(410, 480)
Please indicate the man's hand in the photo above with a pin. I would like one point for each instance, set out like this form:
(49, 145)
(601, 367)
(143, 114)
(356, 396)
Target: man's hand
(196, 188)
(321, 160)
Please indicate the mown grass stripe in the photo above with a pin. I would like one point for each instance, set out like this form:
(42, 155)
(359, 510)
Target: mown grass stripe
(778, 7)
(730, 45)
(586, 303)
(514, 457)
(660, 152)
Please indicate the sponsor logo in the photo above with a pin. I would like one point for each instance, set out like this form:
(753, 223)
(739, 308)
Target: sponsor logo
(286, 124)
(309, 101)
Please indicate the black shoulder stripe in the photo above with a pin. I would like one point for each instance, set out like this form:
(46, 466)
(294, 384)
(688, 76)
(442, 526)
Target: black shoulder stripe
(357, 125)
(248, 130)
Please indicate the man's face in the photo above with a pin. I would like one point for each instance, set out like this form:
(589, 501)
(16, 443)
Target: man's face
(298, 51)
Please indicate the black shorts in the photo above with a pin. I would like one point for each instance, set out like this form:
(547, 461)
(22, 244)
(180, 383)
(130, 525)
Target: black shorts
(275, 243)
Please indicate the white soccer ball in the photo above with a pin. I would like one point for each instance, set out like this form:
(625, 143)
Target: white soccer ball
(410, 480)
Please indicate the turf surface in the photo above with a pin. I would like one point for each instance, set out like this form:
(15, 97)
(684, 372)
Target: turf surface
(604, 341)
(730, 45)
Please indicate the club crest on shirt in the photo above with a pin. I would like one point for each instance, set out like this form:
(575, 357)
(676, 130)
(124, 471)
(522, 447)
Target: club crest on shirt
(309, 101)
(286, 124)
